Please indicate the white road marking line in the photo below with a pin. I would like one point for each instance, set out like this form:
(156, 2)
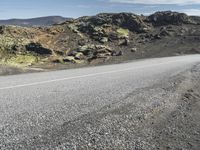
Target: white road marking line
(88, 75)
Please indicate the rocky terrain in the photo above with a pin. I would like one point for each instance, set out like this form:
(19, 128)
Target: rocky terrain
(104, 38)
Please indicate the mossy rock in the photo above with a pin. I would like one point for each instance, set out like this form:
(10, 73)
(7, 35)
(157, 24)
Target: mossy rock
(9, 45)
(6, 43)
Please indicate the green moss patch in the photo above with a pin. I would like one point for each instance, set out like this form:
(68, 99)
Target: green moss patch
(8, 45)
(123, 32)
(21, 60)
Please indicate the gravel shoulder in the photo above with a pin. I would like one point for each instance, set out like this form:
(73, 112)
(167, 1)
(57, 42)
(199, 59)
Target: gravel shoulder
(5, 70)
(11, 70)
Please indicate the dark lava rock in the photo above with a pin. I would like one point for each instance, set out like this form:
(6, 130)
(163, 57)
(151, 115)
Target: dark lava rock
(157, 36)
(82, 42)
(120, 53)
(129, 21)
(113, 36)
(165, 33)
(103, 40)
(169, 18)
(56, 61)
(134, 49)
(114, 53)
(38, 49)
(2, 29)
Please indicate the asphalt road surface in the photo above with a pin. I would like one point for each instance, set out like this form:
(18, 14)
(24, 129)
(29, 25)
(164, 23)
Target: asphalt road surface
(90, 108)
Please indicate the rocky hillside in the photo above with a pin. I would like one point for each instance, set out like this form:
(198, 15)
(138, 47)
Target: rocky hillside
(41, 21)
(104, 38)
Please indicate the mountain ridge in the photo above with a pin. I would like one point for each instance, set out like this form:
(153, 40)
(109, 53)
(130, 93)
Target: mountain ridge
(37, 21)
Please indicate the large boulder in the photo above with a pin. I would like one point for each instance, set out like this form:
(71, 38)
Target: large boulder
(169, 18)
(38, 49)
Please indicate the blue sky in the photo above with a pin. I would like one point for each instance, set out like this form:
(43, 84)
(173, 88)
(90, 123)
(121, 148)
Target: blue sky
(75, 8)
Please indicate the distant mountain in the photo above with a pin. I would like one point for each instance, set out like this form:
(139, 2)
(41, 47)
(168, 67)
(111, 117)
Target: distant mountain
(41, 21)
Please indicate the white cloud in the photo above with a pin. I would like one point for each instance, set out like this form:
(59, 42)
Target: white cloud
(192, 12)
(180, 2)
